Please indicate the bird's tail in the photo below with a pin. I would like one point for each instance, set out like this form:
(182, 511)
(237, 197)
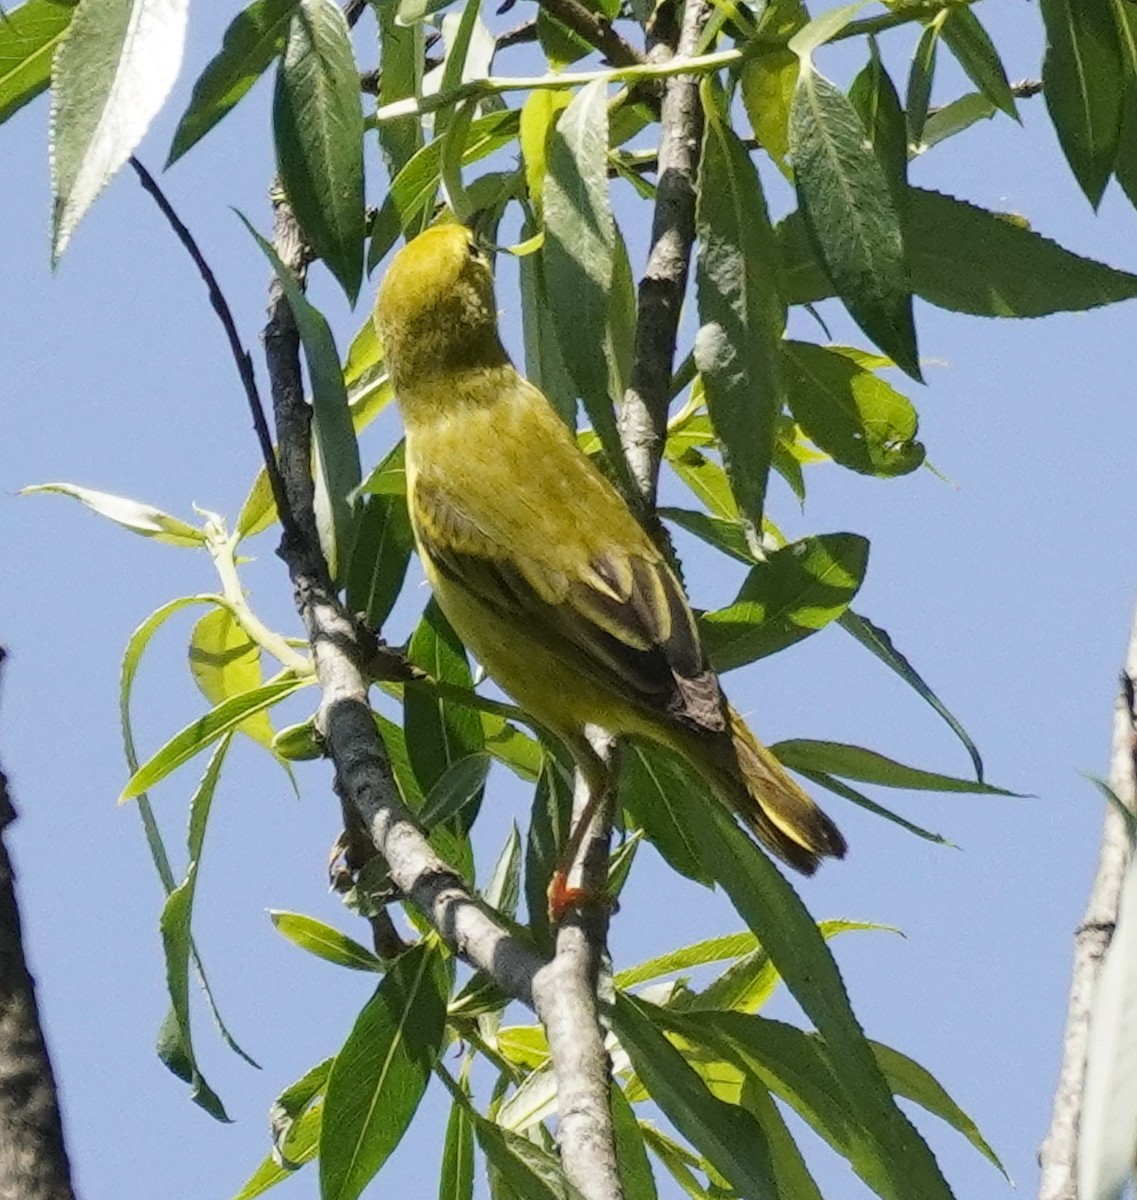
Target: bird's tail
(771, 805)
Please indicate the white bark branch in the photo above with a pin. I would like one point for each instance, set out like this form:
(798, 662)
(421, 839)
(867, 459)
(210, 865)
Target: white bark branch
(1058, 1154)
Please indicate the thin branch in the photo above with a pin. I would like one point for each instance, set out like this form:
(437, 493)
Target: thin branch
(363, 776)
(33, 1156)
(241, 356)
(596, 30)
(1058, 1155)
(643, 414)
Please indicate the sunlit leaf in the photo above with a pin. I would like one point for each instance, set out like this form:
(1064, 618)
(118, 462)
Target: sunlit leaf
(28, 38)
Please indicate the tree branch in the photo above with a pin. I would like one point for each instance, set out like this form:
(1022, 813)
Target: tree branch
(596, 30)
(1058, 1154)
(33, 1157)
(643, 415)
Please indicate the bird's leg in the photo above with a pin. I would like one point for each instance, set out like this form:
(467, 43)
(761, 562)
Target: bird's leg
(595, 779)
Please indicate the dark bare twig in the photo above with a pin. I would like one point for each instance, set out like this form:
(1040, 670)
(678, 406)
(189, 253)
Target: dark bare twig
(596, 30)
(33, 1156)
(241, 356)
(1058, 1154)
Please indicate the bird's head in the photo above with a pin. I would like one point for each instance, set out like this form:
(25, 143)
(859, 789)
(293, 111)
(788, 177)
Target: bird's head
(435, 311)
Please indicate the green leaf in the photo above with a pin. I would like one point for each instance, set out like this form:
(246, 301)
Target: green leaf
(822, 29)
(224, 661)
(1125, 166)
(440, 732)
(729, 1137)
(727, 536)
(859, 420)
(545, 841)
(955, 117)
(578, 253)
(920, 77)
(874, 96)
(196, 737)
(798, 590)
(636, 1179)
(292, 1106)
(767, 81)
(253, 39)
(866, 766)
(698, 954)
(504, 888)
(878, 642)
(544, 363)
(300, 1148)
(411, 196)
(859, 798)
(653, 790)
(913, 1082)
(401, 54)
(324, 941)
(1083, 84)
(772, 909)
(338, 472)
(527, 1171)
(383, 544)
(971, 44)
(130, 514)
(844, 193)
(705, 478)
(28, 38)
(175, 1042)
(381, 1072)
(110, 77)
(968, 259)
(461, 784)
(794, 1179)
(456, 1181)
(738, 347)
(318, 130)
(678, 1160)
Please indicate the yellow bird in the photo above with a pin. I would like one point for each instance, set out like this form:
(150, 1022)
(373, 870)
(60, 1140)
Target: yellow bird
(538, 562)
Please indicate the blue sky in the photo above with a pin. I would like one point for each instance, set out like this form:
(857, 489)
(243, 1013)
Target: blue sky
(1010, 588)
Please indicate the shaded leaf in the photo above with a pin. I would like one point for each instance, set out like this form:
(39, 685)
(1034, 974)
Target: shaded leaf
(252, 40)
(401, 54)
(1082, 84)
(636, 1179)
(383, 543)
(318, 131)
(879, 810)
(971, 44)
(738, 346)
(461, 784)
(456, 1181)
(111, 75)
(920, 77)
(798, 590)
(545, 842)
(874, 96)
(381, 1072)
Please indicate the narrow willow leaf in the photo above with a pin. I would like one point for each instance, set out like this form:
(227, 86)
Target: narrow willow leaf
(793, 1176)
(533, 1101)
(224, 661)
(915, 1083)
(411, 195)
(852, 414)
(175, 1042)
(195, 738)
(293, 1105)
(401, 54)
(620, 332)
(767, 82)
(798, 590)
(821, 29)
(920, 77)
(456, 1181)
(866, 766)
(772, 909)
(636, 1179)
(509, 745)
(318, 131)
(28, 38)
(844, 194)
(439, 732)
(698, 954)
(874, 96)
(381, 1072)
(975, 52)
(324, 941)
(705, 478)
(970, 260)
(300, 1148)
(526, 1171)
(1125, 166)
(461, 784)
(727, 536)
(545, 841)
(539, 115)
(578, 253)
(544, 363)
(729, 1137)
(1083, 84)
(110, 78)
(955, 117)
(677, 1160)
(879, 642)
(838, 788)
(130, 514)
(377, 566)
(338, 472)
(253, 39)
(503, 891)
(653, 790)
(739, 344)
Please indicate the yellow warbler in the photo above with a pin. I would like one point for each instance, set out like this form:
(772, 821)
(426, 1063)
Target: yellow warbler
(539, 564)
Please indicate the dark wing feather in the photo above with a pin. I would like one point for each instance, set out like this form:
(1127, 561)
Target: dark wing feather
(624, 613)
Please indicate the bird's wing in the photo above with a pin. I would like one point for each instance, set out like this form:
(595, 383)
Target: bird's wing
(619, 612)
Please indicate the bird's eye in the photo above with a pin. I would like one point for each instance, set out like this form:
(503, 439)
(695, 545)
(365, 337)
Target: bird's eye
(477, 252)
